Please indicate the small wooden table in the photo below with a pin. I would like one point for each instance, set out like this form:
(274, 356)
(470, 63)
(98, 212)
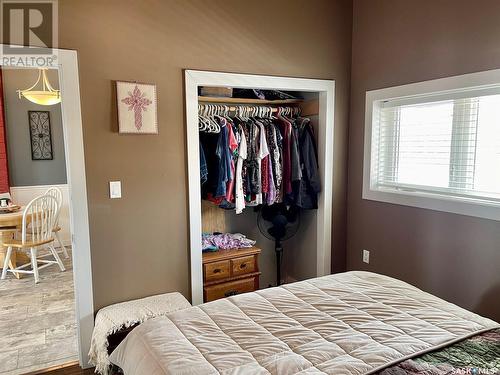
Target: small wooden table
(10, 223)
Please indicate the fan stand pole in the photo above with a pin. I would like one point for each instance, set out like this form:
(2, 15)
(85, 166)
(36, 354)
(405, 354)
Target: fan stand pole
(279, 256)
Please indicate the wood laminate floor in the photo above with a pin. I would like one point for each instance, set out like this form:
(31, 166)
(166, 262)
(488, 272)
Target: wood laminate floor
(65, 370)
(37, 322)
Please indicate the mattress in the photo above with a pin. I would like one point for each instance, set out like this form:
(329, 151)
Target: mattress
(343, 324)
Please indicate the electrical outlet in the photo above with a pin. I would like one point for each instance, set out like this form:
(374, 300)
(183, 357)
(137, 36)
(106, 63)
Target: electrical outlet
(366, 256)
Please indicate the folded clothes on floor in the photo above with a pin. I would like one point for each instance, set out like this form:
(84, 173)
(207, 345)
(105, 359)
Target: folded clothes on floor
(216, 241)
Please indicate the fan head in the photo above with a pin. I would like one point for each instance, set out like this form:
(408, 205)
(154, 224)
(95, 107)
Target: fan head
(278, 222)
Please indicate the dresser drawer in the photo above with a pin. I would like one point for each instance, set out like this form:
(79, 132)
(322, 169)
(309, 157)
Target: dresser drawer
(216, 270)
(243, 265)
(230, 288)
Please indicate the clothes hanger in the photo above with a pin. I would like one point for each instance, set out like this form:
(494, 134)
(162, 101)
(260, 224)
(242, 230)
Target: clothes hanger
(206, 119)
(271, 116)
(245, 113)
(217, 126)
(203, 123)
(225, 112)
(279, 112)
(212, 126)
(263, 112)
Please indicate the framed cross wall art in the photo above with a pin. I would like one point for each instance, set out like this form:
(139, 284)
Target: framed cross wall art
(40, 135)
(137, 108)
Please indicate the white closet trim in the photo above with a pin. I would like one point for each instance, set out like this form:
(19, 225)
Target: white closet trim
(326, 91)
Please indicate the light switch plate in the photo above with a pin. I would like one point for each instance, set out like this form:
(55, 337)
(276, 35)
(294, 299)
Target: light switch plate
(115, 189)
(366, 256)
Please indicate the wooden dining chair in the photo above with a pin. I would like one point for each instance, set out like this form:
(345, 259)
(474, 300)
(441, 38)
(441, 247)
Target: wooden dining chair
(39, 217)
(57, 193)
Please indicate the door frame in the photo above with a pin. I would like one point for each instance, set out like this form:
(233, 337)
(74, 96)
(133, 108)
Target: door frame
(67, 65)
(326, 91)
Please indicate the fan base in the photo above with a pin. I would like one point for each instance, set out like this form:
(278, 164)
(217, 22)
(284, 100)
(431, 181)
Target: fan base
(279, 258)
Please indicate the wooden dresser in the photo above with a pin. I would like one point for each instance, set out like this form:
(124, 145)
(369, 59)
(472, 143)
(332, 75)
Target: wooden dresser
(230, 272)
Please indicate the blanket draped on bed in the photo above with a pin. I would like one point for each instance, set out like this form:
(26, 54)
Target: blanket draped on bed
(112, 318)
(351, 323)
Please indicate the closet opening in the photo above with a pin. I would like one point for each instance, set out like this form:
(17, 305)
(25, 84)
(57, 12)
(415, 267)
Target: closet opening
(269, 199)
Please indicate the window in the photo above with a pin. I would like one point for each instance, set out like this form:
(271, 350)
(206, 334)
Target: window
(435, 149)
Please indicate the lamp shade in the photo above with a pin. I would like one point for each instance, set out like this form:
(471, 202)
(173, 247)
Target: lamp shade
(44, 95)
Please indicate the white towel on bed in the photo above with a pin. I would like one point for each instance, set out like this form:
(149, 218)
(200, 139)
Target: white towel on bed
(113, 318)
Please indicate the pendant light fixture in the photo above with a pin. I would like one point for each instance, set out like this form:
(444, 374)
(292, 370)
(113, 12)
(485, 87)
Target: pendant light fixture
(42, 91)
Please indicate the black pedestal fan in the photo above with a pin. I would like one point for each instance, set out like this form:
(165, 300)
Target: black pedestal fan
(278, 223)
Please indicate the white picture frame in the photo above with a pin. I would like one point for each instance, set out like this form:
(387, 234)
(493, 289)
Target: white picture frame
(137, 108)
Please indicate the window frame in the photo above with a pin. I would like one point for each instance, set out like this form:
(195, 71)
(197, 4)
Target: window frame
(482, 83)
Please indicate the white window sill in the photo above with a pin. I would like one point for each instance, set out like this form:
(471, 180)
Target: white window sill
(437, 202)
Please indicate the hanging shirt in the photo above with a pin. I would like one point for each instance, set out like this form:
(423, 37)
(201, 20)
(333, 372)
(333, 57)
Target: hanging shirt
(295, 167)
(274, 140)
(233, 147)
(244, 170)
(295, 172)
(286, 131)
(253, 170)
(209, 142)
(271, 194)
(310, 184)
(263, 153)
(242, 155)
(222, 152)
(203, 166)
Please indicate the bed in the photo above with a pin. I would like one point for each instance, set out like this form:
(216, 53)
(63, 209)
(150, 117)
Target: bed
(349, 323)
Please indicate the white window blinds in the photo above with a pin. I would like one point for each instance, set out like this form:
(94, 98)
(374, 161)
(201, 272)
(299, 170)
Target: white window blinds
(446, 146)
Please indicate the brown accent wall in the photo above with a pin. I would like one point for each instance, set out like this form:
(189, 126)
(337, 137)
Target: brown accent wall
(397, 42)
(140, 242)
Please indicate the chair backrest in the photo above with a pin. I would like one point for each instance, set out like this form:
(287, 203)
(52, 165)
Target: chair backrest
(58, 195)
(5, 196)
(39, 218)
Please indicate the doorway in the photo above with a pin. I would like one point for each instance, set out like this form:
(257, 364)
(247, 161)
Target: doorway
(76, 236)
(38, 319)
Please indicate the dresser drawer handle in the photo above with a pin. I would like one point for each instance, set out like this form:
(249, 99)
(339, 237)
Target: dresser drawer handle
(243, 265)
(217, 270)
(231, 293)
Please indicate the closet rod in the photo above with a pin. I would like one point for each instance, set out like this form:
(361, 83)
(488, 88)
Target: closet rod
(249, 107)
(309, 107)
(234, 108)
(227, 101)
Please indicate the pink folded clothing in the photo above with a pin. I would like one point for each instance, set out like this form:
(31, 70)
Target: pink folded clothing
(225, 241)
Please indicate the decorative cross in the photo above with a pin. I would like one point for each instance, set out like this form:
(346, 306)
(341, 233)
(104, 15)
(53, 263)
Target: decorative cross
(137, 102)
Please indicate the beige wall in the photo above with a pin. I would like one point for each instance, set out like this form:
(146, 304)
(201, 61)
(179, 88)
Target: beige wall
(139, 243)
(397, 42)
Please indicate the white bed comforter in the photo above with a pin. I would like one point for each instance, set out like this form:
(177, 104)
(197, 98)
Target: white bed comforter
(348, 323)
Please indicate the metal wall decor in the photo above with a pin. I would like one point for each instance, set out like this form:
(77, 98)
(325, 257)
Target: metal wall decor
(40, 135)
